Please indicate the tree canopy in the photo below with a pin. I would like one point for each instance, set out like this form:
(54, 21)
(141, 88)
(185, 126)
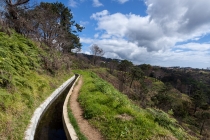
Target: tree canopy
(51, 23)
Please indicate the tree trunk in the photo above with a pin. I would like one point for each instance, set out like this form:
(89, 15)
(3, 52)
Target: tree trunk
(202, 126)
(131, 81)
(195, 109)
(121, 86)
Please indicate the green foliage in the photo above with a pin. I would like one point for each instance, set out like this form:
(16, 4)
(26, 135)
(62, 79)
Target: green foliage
(198, 99)
(181, 109)
(125, 65)
(156, 85)
(18, 56)
(136, 73)
(171, 124)
(163, 100)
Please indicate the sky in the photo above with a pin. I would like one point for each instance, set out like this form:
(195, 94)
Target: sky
(157, 32)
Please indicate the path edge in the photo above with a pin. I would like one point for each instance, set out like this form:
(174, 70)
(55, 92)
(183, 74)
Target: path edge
(69, 129)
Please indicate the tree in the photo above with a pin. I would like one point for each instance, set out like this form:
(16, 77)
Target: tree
(14, 10)
(146, 68)
(112, 66)
(97, 52)
(158, 74)
(54, 25)
(124, 68)
(163, 100)
(203, 116)
(198, 100)
(135, 73)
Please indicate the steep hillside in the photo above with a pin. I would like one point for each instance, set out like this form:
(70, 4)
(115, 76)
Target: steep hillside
(152, 93)
(24, 83)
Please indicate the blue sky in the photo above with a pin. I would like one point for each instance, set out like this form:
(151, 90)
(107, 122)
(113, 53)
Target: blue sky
(156, 32)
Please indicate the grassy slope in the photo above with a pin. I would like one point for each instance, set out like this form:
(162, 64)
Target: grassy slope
(22, 87)
(118, 118)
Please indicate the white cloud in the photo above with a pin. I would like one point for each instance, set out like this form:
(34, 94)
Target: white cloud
(96, 35)
(180, 16)
(122, 49)
(86, 40)
(152, 38)
(194, 47)
(122, 1)
(100, 14)
(73, 3)
(97, 3)
(84, 23)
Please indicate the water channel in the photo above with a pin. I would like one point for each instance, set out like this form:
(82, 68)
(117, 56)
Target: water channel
(50, 126)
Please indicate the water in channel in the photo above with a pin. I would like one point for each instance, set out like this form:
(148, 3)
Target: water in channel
(50, 126)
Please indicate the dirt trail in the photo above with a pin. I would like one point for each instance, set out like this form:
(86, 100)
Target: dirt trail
(90, 132)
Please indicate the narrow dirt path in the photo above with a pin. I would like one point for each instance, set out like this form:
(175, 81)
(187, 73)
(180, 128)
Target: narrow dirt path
(90, 132)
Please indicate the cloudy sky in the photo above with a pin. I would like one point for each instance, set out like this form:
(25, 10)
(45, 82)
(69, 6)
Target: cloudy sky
(156, 32)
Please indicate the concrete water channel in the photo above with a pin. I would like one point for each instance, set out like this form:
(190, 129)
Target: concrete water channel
(49, 124)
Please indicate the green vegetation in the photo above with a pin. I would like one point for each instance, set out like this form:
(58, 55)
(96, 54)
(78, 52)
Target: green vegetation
(117, 117)
(24, 84)
(18, 56)
(75, 125)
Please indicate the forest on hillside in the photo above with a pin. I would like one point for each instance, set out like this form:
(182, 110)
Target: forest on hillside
(52, 51)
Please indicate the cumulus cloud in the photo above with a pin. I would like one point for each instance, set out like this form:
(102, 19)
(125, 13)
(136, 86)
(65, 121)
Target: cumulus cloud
(97, 3)
(99, 14)
(180, 16)
(153, 38)
(162, 27)
(176, 56)
(136, 28)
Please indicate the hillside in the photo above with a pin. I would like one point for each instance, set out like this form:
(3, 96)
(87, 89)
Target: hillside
(28, 77)
(184, 92)
(117, 117)
(24, 83)
(192, 112)
(120, 99)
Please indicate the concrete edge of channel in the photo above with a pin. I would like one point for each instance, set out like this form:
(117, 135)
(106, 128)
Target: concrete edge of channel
(69, 129)
(30, 132)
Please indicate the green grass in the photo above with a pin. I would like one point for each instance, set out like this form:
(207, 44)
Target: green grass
(16, 108)
(18, 56)
(116, 117)
(23, 84)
